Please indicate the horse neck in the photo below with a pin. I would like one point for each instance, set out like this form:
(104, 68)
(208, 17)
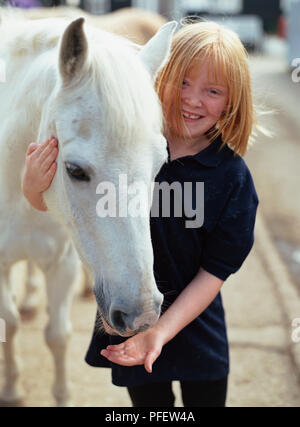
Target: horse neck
(21, 100)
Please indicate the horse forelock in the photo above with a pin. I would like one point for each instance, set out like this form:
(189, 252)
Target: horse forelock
(129, 102)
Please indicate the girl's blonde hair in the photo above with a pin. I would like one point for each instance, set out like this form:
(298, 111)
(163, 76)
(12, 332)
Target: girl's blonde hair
(208, 41)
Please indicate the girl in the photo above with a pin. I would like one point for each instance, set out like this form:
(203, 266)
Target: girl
(206, 97)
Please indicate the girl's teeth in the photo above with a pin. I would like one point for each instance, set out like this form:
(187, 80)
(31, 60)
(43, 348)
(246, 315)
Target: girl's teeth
(191, 116)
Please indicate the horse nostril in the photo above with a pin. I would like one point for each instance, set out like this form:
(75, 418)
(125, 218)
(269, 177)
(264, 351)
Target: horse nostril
(118, 319)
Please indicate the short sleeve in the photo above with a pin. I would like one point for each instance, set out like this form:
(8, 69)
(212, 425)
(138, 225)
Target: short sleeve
(228, 244)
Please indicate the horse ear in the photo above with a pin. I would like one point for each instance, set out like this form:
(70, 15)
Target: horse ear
(155, 53)
(73, 50)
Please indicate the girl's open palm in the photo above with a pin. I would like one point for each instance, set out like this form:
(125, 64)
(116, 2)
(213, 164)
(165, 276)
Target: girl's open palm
(141, 349)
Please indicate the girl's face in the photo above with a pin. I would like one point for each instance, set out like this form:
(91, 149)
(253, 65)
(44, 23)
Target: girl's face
(202, 102)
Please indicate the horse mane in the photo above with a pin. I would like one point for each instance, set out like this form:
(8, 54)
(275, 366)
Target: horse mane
(114, 70)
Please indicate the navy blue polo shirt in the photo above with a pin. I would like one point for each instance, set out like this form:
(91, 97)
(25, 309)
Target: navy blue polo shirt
(220, 244)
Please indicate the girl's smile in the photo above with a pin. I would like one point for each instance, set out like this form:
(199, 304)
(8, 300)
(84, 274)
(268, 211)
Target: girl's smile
(190, 117)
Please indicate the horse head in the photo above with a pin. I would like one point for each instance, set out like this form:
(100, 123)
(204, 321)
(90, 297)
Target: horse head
(107, 118)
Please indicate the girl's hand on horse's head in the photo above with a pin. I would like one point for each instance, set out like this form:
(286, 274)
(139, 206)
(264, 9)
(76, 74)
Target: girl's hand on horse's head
(40, 165)
(40, 168)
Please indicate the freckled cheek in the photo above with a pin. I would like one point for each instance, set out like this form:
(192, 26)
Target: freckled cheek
(218, 112)
(216, 109)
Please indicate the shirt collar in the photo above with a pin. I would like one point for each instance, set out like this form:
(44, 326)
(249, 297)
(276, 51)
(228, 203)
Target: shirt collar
(212, 155)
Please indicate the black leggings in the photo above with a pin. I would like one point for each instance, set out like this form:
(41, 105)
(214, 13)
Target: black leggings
(194, 393)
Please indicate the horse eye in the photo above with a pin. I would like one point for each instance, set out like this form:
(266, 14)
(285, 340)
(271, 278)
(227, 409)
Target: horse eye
(76, 172)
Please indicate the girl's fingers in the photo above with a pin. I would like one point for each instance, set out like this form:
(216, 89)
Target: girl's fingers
(150, 359)
(116, 347)
(51, 172)
(42, 146)
(104, 353)
(113, 357)
(32, 147)
(120, 359)
(148, 364)
(49, 160)
(46, 150)
(45, 143)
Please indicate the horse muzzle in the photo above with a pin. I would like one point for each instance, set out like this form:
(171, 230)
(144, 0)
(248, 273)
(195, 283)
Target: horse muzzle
(121, 319)
(128, 324)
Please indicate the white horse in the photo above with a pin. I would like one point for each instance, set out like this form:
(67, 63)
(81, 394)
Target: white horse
(137, 25)
(94, 92)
